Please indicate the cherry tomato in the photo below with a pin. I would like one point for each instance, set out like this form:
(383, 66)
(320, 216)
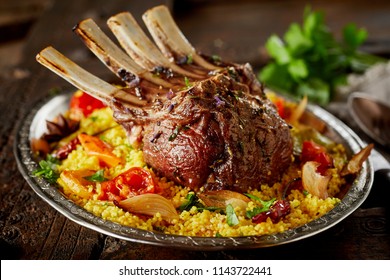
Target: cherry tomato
(83, 104)
(132, 182)
(312, 151)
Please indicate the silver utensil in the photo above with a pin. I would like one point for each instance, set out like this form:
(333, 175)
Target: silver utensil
(372, 116)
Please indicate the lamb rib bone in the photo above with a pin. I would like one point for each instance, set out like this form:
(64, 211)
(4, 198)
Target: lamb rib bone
(220, 132)
(138, 45)
(112, 56)
(83, 80)
(169, 38)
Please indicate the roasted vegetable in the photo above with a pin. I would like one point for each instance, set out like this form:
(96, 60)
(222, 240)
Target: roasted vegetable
(149, 204)
(96, 147)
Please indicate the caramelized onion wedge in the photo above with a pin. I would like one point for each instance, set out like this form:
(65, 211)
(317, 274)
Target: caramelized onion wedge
(150, 204)
(222, 198)
(356, 162)
(314, 182)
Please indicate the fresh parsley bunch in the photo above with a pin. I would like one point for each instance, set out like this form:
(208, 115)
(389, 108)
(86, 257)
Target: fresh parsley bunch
(310, 61)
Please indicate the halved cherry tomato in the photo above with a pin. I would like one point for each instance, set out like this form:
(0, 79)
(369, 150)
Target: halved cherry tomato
(96, 147)
(132, 182)
(83, 104)
(312, 151)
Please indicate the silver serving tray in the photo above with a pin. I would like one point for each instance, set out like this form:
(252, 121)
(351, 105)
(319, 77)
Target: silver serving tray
(34, 124)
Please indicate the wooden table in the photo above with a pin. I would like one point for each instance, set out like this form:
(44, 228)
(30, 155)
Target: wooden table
(31, 229)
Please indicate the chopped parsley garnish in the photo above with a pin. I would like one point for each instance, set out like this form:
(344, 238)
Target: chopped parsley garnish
(193, 200)
(48, 169)
(190, 59)
(216, 58)
(187, 83)
(231, 216)
(174, 133)
(265, 206)
(97, 177)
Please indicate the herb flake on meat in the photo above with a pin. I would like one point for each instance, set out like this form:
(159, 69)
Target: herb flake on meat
(175, 133)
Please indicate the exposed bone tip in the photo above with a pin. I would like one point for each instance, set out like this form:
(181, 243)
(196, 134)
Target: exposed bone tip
(113, 18)
(82, 25)
(41, 55)
(159, 7)
(84, 22)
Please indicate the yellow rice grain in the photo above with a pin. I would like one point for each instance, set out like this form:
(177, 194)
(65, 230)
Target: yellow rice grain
(304, 208)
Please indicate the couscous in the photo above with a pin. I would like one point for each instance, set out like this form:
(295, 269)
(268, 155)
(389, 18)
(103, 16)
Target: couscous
(120, 187)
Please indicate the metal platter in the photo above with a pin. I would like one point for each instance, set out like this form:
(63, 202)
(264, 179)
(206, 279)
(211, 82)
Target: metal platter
(34, 124)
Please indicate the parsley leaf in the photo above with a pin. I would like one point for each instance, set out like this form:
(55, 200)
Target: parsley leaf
(48, 169)
(231, 216)
(174, 133)
(190, 59)
(97, 177)
(187, 83)
(308, 60)
(265, 206)
(193, 200)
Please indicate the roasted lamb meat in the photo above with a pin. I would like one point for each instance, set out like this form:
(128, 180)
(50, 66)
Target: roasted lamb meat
(200, 122)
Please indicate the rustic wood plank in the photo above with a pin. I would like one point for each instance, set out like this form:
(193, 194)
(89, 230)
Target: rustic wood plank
(238, 30)
(30, 228)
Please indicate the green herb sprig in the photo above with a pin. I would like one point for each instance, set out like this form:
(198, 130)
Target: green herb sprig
(265, 206)
(97, 177)
(48, 169)
(192, 200)
(231, 216)
(310, 61)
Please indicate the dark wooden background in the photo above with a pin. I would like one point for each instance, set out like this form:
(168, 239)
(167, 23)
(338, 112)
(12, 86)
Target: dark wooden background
(235, 30)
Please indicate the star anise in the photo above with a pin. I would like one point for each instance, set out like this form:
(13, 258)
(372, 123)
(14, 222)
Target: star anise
(60, 128)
